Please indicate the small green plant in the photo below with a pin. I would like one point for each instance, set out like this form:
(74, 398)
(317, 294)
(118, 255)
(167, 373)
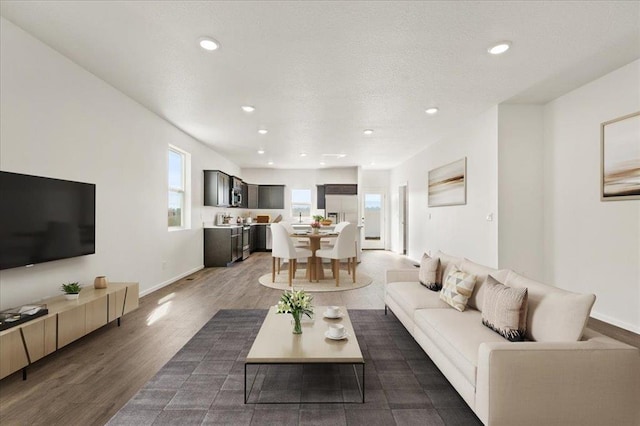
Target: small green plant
(318, 218)
(71, 288)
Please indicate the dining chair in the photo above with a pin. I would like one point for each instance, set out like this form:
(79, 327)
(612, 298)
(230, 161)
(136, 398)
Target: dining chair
(282, 248)
(336, 230)
(344, 248)
(299, 242)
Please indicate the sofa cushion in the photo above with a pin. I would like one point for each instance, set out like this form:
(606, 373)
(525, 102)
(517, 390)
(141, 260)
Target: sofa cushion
(505, 309)
(457, 288)
(446, 264)
(411, 296)
(481, 272)
(428, 274)
(555, 315)
(458, 335)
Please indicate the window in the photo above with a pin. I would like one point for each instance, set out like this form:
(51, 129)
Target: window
(301, 203)
(178, 166)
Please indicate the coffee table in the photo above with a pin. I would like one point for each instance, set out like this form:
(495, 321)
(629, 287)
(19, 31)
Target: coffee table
(276, 344)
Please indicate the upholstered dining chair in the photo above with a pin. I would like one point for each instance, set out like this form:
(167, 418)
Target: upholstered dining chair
(282, 248)
(344, 248)
(336, 229)
(299, 242)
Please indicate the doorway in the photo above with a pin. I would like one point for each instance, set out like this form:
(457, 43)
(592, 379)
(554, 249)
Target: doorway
(402, 216)
(374, 220)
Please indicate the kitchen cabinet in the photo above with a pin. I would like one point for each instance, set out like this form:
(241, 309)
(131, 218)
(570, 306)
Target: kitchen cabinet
(259, 237)
(217, 188)
(245, 196)
(341, 189)
(320, 197)
(222, 246)
(252, 196)
(271, 197)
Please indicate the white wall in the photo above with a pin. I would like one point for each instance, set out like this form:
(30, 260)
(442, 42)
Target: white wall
(589, 245)
(520, 197)
(297, 179)
(58, 120)
(456, 230)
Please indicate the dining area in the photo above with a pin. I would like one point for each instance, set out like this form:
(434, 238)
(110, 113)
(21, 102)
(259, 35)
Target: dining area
(315, 248)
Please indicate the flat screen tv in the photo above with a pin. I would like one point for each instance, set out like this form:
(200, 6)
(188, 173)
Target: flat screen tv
(44, 219)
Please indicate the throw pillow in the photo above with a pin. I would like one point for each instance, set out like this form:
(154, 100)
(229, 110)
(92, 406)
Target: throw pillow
(428, 272)
(457, 288)
(505, 309)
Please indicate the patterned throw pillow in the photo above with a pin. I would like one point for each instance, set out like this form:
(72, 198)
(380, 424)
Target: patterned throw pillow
(457, 288)
(505, 309)
(428, 272)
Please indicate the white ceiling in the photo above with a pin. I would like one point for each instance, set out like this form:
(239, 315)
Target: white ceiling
(319, 73)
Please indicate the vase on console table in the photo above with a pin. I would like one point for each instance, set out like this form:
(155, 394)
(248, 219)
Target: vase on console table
(100, 282)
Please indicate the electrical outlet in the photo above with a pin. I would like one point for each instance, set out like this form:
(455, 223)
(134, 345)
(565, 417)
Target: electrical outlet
(490, 217)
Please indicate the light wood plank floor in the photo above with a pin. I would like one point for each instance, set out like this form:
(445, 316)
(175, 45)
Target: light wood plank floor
(88, 381)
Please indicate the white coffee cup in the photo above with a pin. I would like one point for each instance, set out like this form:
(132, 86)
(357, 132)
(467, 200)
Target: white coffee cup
(333, 311)
(336, 330)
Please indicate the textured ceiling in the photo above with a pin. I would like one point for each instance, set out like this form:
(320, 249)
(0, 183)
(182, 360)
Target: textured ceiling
(319, 73)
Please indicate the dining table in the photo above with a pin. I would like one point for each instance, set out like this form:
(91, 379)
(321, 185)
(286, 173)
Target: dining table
(315, 269)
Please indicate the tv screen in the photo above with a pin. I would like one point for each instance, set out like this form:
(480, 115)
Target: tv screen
(44, 219)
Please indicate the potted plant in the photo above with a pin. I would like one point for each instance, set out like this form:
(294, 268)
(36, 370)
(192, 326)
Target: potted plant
(71, 290)
(296, 303)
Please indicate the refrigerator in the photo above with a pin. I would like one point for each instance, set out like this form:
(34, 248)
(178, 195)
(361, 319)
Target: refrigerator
(341, 208)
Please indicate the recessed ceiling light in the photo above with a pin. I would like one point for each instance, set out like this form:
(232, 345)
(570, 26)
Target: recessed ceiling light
(368, 132)
(373, 163)
(261, 151)
(342, 155)
(209, 44)
(263, 131)
(248, 108)
(303, 154)
(432, 110)
(499, 48)
(270, 163)
(322, 163)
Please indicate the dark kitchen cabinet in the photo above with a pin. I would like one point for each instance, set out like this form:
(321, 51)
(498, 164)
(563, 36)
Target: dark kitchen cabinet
(222, 246)
(259, 237)
(216, 188)
(252, 196)
(271, 197)
(341, 189)
(245, 196)
(320, 197)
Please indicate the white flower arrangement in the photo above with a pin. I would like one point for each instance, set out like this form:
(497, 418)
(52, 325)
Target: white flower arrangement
(295, 302)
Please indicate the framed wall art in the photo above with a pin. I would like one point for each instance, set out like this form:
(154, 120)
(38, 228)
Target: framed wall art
(620, 158)
(448, 184)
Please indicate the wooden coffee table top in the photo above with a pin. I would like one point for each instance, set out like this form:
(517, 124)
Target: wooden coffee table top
(275, 342)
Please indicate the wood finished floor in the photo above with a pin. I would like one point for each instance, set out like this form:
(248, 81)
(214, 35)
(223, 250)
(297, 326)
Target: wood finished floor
(88, 381)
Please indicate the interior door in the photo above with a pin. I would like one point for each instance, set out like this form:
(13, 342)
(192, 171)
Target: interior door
(374, 220)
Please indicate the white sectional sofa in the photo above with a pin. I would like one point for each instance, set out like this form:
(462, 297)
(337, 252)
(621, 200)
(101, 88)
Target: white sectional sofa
(562, 374)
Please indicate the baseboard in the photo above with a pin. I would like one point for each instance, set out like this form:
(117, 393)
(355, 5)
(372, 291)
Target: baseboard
(170, 281)
(616, 322)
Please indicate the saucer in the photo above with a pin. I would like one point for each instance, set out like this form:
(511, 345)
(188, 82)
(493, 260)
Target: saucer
(344, 336)
(327, 315)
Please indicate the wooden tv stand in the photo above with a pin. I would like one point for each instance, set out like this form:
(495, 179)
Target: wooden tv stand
(67, 320)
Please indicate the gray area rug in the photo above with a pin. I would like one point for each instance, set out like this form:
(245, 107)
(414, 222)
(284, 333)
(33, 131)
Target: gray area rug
(203, 382)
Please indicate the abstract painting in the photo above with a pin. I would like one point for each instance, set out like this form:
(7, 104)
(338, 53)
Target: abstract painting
(448, 184)
(620, 165)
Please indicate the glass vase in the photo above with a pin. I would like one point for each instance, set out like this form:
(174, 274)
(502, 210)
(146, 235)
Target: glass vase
(297, 326)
